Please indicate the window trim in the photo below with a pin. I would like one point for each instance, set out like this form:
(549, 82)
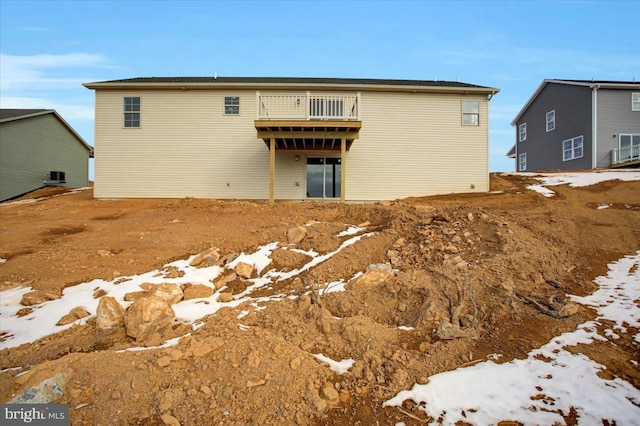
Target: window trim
(522, 158)
(231, 108)
(635, 104)
(573, 148)
(132, 112)
(471, 114)
(552, 114)
(522, 132)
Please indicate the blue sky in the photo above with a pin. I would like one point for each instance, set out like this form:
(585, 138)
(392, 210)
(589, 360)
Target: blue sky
(49, 48)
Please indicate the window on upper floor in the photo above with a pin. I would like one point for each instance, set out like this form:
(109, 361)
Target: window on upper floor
(471, 113)
(522, 162)
(132, 111)
(635, 101)
(551, 120)
(572, 148)
(231, 105)
(522, 132)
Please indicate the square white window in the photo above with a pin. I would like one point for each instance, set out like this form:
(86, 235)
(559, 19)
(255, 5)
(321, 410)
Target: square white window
(231, 105)
(522, 132)
(635, 101)
(572, 148)
(471, 113)
(551, 120)
(522, 162)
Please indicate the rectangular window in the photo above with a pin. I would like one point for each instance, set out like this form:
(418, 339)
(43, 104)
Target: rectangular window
(471, 113)
(231, 105)
(132, 111)
(522, 132)
(635, 101)
(522, 162)
(551, 120)
(629, 147)
(572, 149)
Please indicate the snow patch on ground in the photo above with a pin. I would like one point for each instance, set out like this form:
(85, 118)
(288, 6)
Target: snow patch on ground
(535, 391)
(339, 367)
(41, 321)
(33, 200)
(576, 180)
(603, 206)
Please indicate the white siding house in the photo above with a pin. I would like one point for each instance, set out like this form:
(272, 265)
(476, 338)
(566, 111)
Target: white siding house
(345, 139)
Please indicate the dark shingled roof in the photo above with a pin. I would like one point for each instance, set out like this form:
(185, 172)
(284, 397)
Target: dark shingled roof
(293, 80)
(14, 113)
(600, 81)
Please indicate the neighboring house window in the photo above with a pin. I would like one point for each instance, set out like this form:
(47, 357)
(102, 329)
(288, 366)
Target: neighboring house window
(471, 113)
(635, 101)
(231, 105)
(551, 120)
(522, 162)
(522, 132)
(132, 111)
(629, 147)
(572, 149)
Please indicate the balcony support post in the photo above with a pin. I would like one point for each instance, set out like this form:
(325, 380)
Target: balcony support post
(343, 174)
(272, 169)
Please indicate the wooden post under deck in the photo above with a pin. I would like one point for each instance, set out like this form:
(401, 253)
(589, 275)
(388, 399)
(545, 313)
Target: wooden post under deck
(343, 174)
(272, 169)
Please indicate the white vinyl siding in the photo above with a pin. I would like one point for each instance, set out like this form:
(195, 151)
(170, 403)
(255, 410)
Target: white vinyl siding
(411, 144)
(522, 132)
(551, 120)
(522, 162)
(572, 148)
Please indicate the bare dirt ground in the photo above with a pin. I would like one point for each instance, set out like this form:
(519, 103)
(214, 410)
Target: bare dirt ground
(466, 268)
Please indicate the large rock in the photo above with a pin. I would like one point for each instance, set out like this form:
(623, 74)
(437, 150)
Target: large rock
(36, 297)
(48, 391)
(75, 314)
(170, 292)
(147, 316)
(210, 255)
(197, 291)
(297, 234)
(244, 270)
(373, 277)
(109, 315)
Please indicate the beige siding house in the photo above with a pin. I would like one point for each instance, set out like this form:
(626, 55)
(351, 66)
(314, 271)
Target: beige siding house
(39, 148)
(289, 138)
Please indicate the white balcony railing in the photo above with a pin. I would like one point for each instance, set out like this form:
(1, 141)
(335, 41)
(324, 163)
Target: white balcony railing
(308, 106)
(622, 155)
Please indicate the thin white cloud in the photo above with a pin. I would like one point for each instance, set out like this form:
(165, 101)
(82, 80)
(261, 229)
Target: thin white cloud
(68, 111)
(38, 72)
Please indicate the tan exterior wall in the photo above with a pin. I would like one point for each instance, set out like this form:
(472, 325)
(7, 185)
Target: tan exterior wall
(411, 144)
(32, 147)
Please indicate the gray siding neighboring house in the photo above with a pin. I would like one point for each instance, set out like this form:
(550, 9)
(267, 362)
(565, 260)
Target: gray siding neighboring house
(34, 143)
(566, 121)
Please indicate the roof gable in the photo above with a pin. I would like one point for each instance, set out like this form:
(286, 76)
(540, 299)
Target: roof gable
(598, 84)
(7, 115)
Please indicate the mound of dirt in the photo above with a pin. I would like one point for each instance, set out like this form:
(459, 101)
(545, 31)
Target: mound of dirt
(392, 292)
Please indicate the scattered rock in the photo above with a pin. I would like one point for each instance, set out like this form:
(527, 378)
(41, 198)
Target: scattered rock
(109, 315)
(455, 261)
(449, 231)
(379, 266)
(173, 272)
(225, 297)
(330, 393)
(147, 316)
(135, 295)
(99, 293)
(205, 389)
(244, 270)
(73, 315)
(209, 256)
(295, 363)
(364, 224)
(48, 391)
(172, 293)
(168, 419)
(373, 277)
(196, 291)
(254, 383)
(36, 297)
(163, 361)
(537, 278)
(23, 312)
(297, 234)
(568, 310)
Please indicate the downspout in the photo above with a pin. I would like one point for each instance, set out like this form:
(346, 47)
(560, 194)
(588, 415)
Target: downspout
(594, 127)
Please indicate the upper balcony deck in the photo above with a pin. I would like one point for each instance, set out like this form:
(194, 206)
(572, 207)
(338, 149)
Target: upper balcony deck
(307, 106)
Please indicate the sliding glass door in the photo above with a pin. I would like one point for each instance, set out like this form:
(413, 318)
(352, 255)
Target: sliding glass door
(324, 176)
